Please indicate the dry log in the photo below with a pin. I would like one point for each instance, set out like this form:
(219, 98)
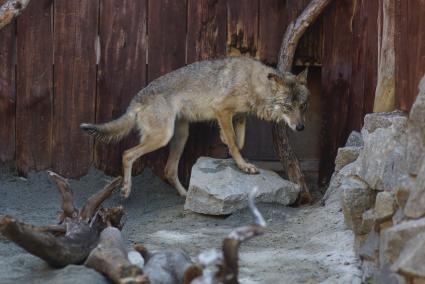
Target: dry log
(72, 240)
(9, 9)
(293, 34)
(110, 258)
(222, 266)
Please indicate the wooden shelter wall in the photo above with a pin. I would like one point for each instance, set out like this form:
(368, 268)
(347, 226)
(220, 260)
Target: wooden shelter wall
(64, 62)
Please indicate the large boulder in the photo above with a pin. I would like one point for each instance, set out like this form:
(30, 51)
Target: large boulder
(218, 187)
(383, 158)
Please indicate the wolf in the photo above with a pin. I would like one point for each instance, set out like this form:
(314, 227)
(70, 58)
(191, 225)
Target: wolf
(225, 90)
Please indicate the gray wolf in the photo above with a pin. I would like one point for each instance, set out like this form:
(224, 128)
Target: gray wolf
(224, 90)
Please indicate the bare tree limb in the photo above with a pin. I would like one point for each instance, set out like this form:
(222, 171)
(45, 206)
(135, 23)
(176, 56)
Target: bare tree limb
(223, 267)
(295, 31)
(9, 9)
(292, 36)
(93, 203)
(66, 194)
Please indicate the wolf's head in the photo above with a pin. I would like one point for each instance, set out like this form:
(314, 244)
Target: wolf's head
(289, 98)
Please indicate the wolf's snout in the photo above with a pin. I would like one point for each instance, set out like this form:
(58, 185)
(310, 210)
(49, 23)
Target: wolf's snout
(300, 127)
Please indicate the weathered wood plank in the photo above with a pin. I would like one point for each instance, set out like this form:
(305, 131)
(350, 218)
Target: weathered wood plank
(364, 63)
(242, 27)
(34, 87)
(121, 71)
(7, 94)
(206, 38)
(410, 51)
(167, 52)
(336, 75)
(75, 34)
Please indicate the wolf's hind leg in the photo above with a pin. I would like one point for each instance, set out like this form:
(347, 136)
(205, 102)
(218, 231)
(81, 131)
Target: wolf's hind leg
(152, 140)
(177, 143)
(239, 124)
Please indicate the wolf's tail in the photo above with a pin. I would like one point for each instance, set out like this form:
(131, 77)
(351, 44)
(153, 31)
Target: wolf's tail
(111, 131)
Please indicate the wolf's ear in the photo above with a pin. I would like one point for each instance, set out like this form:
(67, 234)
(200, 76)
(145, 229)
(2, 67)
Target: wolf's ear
(302, 77)
(276, 78)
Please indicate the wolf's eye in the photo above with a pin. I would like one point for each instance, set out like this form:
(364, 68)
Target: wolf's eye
(288, 108)
(304, 106)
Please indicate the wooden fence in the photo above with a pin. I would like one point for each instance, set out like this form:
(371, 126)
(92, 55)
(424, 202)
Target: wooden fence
(65, 62)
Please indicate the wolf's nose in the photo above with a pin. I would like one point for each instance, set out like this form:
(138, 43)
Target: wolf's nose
(300, 127)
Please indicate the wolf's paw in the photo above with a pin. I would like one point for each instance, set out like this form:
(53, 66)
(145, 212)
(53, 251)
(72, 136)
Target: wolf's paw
(249, 169)
(125, 190)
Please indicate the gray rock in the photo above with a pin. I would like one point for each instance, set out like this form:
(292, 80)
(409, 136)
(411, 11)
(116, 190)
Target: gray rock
(394, 239)
(368, 220)
(218, 187)
(346, 155)
(369, 250)
(384, 205)
(399, 216)
(386, 276)
(373, 121)
(383, 158)
(354, 140)
(416, 132)
(415, 206)
(332, 193)
(411, 261)
(356, 198)
(402, 191)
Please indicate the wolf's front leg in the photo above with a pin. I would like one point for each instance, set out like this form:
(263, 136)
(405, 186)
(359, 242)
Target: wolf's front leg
(225, 121)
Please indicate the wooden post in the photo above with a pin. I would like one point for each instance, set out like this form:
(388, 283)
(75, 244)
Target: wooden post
(385, 88)
(292, 36)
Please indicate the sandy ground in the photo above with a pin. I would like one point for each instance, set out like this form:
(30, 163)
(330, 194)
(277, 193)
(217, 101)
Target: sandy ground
(301, 245)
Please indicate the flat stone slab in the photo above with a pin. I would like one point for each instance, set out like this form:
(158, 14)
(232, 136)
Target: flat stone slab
(218, 187)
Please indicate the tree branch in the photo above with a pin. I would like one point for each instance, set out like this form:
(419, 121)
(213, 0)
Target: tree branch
(292, 36)
(9, 9)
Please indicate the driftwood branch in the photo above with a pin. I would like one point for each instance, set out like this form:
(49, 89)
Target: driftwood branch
(9, 9)
(110, 258)
(292, 36)
(72, 240)
(222, 266)
(66, 195)
(93, 203)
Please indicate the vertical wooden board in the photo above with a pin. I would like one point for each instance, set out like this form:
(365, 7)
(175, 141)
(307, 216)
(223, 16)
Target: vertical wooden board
(242, 27)
(167, 52)
(75, 33)
(410, 51)
(206, 39)
(336, 74)
(167, 40)
(364, 63)
(121, 70)
(272, 23)
(34, 87)
(7, 94)
(206, 29)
